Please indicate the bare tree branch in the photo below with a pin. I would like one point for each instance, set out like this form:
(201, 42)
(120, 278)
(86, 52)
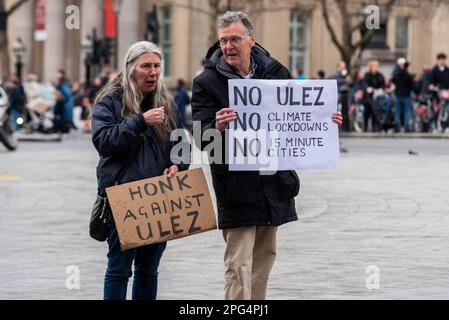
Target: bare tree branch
(4, 53)
(364, 39)
(389, 4)
(358, 25)
(345, 8)
(345, 26)
(329, 26)
(15, 6)
(215, 11)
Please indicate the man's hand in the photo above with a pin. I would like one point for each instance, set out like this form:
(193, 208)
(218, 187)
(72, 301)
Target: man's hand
(223, 117)
(337, 118)
(154, 116)
(171, 171)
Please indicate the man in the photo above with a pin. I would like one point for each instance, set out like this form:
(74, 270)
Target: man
(250, 205)
(425, 80)
(182, 100)
(404, 86)
(321, 74)
(341, 76)
(440, 73)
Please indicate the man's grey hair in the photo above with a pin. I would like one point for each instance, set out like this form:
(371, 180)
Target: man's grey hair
(231, 17)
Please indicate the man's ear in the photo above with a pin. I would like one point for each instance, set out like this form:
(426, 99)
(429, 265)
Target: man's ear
(253, 42)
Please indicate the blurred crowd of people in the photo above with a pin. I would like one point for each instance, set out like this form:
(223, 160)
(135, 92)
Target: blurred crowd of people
(63, 105)
(370, 101)
(400, 101)
(55, 107)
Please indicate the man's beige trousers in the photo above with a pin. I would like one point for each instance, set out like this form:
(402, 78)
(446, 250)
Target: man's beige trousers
(249, 258)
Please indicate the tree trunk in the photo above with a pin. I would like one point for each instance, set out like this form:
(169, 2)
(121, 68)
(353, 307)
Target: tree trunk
(214, 12)
(345, 45)
(4, 54)
(4, 45)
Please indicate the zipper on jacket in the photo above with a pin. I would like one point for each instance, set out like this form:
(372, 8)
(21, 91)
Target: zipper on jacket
(103, 211)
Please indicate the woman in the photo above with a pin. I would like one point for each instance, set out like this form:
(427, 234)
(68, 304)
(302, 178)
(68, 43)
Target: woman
(373, 80)
(64, 104)
(133, 117)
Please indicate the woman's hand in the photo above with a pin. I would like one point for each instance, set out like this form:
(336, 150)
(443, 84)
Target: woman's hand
(171, 171)
(337, 118)
(154, 116)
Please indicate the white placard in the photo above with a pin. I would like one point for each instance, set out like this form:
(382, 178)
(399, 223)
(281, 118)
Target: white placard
(283, 125)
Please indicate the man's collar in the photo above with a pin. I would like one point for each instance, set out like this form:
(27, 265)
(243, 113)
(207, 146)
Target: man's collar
(253, 67)
(259, 55)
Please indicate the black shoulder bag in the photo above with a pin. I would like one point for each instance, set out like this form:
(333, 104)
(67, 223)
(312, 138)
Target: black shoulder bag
(99, 216)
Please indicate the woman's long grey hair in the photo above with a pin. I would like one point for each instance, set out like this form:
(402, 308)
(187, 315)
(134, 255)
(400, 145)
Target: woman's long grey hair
(123, 83)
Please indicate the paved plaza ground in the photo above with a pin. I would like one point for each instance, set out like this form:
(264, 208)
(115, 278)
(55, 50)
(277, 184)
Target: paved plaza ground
(382, 215)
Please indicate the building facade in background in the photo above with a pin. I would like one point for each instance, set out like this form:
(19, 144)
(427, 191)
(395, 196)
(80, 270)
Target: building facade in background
(293, 31)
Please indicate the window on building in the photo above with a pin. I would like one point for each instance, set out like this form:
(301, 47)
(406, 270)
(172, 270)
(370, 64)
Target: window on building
(166, 42)
(401, 37)
(298, 42)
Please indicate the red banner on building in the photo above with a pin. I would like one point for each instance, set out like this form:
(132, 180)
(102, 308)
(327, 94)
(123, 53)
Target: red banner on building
(40, 17)
(109, 20)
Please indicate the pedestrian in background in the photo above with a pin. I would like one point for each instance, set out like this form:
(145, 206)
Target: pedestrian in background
(300, 75)
(404, 86)
(17, 99)
(63, 108)
(342, 75)
(440, 73)
(425, 80)
(250, 206)
(93, 91)
(182, 100)
(132, 119)
(31, 87)
(321, 74)
(80, 109)
(373, 80)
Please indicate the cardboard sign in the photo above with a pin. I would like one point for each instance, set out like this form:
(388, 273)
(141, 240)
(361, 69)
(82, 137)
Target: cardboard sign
(161, 208)
(283, 125)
